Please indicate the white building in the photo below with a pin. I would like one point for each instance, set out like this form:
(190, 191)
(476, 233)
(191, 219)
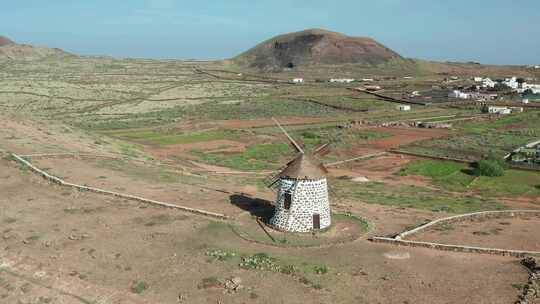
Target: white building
(535, 88)
(460, 95)
(342, 80)
(302, 203)
(404, 108)
(368, 80)
(488, 83)
(516, 109)
(499, 110)
(512, 83)
(298, 80)
(525, 101)
(478, 79)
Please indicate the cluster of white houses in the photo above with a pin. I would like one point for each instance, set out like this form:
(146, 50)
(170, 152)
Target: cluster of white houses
(472, 95)
(337, 80)
(513, 83)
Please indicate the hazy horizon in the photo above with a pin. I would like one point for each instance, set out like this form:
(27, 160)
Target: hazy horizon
(497, 32)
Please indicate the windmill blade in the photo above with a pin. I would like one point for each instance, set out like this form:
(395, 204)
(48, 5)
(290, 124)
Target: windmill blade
(322, 150)
(295, 144)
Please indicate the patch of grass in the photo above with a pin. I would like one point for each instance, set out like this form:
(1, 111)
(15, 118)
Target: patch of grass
(415, 197)
(158, 138)
(139, 287)
(220, 255)
(454, 176)
(432, 168)
(320, 269)
(256, 157)
(513, 183)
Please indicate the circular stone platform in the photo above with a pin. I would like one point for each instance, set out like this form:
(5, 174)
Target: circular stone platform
(345, 228)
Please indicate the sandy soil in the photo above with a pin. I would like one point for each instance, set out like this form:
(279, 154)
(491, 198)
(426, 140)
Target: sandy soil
(512, 233)
(404, 136)
(141, 180)
(214, 146)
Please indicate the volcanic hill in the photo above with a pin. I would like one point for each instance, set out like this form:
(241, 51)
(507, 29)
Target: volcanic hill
(15, 51)
(315, 47)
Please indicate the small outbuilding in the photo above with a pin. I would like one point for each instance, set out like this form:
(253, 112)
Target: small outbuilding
(404, 108)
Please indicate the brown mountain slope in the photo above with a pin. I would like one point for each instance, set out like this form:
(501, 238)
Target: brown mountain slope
(13, 51)
(313, 47)
(5, 41)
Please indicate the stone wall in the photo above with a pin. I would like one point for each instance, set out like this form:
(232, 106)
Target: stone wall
(400, 241)
(309, 197)
(61, 182)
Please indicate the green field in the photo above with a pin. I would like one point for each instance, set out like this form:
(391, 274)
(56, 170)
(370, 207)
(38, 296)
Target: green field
(481, 138)
(256, 157)
(413, 197)
(454, 176)
(171, 138)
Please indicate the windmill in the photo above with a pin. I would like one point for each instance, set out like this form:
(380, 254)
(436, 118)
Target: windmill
(302, 203)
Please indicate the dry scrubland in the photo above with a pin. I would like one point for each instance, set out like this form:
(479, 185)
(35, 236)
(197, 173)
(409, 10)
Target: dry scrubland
(198, 134)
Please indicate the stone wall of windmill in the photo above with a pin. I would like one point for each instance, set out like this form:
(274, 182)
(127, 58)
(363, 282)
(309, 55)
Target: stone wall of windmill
(307, 198)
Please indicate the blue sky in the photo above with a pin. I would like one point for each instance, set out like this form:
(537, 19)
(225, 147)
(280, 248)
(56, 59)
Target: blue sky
(495, 31)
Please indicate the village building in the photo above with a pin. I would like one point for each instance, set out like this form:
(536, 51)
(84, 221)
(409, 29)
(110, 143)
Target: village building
(516, 109)
(342, 80)
(373, 88)
(488, 83)
(404, 108)
(499, 110)
(298, 80)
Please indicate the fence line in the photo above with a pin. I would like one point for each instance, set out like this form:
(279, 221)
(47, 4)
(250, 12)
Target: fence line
(61, 182)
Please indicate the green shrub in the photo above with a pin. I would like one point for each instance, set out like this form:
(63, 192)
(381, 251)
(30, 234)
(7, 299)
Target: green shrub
(220, 255)
(139, 287)
(489, 167)
(320, 269)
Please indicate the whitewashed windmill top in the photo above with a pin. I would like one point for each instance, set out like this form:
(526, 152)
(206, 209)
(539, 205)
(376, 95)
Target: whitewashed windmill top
(302, 203)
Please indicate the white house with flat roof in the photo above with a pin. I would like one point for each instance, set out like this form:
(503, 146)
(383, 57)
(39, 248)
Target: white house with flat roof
(499, 110)
(342, 80)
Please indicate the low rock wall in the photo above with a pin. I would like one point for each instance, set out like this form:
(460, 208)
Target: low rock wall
(400, 241)
(61, 182)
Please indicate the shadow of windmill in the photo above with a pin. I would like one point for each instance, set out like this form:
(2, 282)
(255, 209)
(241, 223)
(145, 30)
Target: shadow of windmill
(257, 207)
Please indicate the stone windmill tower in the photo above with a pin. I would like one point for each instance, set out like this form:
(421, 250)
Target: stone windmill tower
(302, 203)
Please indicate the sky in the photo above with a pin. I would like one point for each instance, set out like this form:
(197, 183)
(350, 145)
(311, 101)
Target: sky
(490, 32)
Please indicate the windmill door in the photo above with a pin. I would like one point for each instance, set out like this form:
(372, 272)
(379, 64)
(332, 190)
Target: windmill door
(316, 221)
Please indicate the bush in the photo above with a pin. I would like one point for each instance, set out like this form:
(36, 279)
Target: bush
(489, 167)
(139, 287)
(320, 269)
